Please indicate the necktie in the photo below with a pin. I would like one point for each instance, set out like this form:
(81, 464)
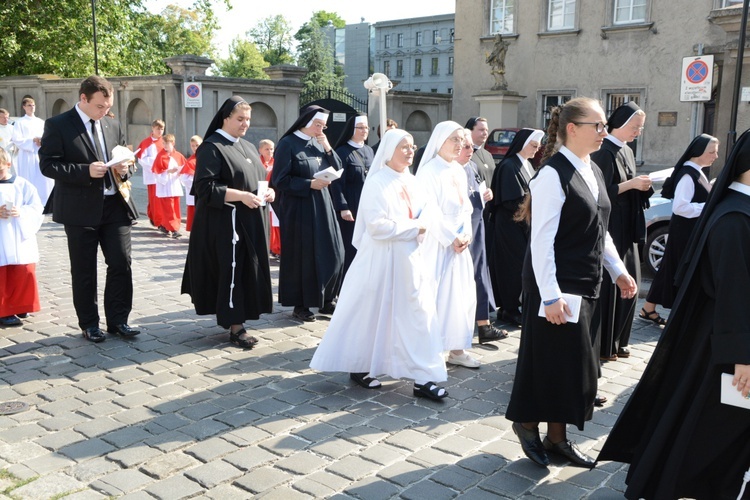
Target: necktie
(100, 154)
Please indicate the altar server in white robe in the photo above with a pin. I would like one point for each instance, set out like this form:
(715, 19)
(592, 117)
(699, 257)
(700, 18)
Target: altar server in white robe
(20, 219)
(384, 323)
(27, 137)
(443, 181)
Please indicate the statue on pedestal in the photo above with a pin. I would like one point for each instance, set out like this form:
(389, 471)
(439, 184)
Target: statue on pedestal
(496, 60)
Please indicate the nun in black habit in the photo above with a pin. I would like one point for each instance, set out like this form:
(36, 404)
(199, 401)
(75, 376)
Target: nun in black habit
(678, 438)
(510, 183)
(356, 157)
(311, 269)
(688, 188)
(227, 271)
(629, 194)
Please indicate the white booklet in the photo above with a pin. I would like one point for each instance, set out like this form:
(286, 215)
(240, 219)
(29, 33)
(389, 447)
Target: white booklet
(121, 154)
(574, 304)
(330, 174)
(729, 393)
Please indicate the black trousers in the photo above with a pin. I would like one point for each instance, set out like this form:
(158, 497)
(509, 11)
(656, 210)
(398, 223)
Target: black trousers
(113, 235)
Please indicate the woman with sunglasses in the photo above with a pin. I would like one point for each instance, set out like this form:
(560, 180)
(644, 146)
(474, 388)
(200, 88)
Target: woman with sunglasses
(557, 368)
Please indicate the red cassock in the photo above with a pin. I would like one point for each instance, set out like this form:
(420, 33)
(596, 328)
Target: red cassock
(18, 290)
(167, 208)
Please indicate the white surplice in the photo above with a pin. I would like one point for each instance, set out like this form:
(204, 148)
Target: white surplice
(384, 322)
(25, 130)
(169, 185)
(445, 184)
(18, 234)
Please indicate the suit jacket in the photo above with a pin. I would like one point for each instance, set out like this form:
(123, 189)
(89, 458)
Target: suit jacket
(65, 155)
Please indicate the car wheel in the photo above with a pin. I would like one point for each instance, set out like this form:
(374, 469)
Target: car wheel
(656, 243)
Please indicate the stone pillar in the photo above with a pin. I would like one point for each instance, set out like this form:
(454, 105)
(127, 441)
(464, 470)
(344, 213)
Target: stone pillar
(188, 65)
(286, 72)
(500, 107)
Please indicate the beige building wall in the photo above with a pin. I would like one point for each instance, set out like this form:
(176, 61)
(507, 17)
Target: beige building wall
(597, 59)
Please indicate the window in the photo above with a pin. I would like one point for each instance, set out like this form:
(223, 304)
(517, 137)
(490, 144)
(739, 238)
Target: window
(387, 41)
(630, 11)
(434, 91)
(730, 3)
(549, 101)
(501, 17)
(450, 90)
(450, 65)
(453, 35)
(417, 90)
(419, 38)
(561, 15)
(435, 37)
(400, 40)
(387, 68)
(434, 70)
(417, 67)
(399, 67)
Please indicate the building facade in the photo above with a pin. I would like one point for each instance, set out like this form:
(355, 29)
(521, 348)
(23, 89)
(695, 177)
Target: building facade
(416, 54)
(612, 50)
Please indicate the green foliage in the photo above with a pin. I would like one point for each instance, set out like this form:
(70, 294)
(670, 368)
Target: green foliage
(244, 61)
(316, 54)
(319, 18)
(57, 38)
(272, 36)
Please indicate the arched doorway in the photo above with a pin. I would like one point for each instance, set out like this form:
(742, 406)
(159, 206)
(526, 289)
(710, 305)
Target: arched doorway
(419, 125)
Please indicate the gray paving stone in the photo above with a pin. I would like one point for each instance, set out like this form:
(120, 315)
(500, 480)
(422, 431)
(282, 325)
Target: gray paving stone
(133, 455)
(302, 463)
(211, 449)
(262, 479)
(373, 488)
(456, 478)
(122, 481)
(50, 462)
(402, 473)
(85, 450)
(93, 469)
(214, 473)
(55, 484)
(168, 464)
(175, 488)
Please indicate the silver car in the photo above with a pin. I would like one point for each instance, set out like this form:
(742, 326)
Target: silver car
(657, 231)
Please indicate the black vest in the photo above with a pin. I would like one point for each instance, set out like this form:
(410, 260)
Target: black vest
(579, 242)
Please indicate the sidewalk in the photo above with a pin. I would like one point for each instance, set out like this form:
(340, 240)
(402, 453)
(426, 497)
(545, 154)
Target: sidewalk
(178, 412)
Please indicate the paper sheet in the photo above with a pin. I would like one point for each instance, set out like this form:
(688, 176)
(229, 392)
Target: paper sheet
(574, 304)
(729, 393)
(330, 174)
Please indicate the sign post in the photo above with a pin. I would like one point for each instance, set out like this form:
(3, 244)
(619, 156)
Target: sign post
(192, 94)
(697, 78)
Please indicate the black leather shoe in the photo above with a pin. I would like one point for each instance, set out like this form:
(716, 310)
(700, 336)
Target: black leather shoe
(568, 449)
(123, 330)
(511, 317)
(303, 314)
(10, 321)
(622, 352)
(328, 308)
(531, 444)
(600, 400)
(94, 334)
(490, 333)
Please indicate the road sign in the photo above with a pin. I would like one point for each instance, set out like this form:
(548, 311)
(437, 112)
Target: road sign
(697, 78)
(192, 93)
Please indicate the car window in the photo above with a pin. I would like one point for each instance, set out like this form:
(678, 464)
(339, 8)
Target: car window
(502, 137)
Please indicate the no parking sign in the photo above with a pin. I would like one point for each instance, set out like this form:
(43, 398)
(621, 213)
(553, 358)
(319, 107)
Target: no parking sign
(192, 94)
(697, 78)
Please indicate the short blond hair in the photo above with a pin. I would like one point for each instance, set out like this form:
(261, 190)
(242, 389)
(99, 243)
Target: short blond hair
(265, 142)
(197, 139)
(170, 138)
(4, 157)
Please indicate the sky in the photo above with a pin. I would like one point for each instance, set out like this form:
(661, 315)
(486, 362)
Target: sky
(246, 13)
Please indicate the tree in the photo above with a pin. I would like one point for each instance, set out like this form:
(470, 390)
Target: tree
(244, 61)
(273, 37)
(321, 18)
(316, 54)
(39, 37)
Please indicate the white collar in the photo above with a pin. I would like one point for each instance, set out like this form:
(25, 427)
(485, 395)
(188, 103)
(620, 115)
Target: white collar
(694, 165)
(302, 135)
(227, 136)
(355, 144)
(572, 158)
(740, 188)
(614, 140)
(84, 117)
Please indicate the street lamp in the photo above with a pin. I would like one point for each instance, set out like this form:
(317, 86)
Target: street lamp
(93, 18)
(380, 83)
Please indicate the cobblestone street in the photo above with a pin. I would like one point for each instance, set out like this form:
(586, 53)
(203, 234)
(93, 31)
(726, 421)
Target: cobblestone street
(179, 412)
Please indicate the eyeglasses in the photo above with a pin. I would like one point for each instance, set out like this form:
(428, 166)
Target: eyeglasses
(320, 125)
(408, 148)
(361, 127)
(468, 146)
(456, 140)
(599, 126)
(634, 128)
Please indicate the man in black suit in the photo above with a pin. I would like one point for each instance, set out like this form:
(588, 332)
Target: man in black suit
(75, 147)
